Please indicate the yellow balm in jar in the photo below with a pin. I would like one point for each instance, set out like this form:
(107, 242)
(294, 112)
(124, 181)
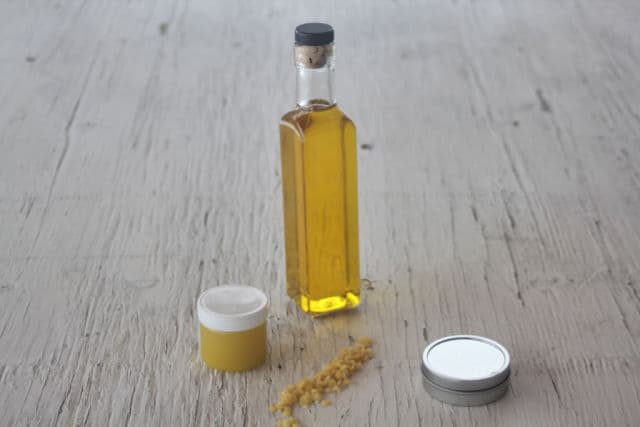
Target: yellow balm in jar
(233, 327)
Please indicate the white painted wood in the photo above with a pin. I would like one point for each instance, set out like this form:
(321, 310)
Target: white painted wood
(499, 195)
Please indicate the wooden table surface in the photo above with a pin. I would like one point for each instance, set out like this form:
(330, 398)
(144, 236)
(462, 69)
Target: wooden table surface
(499, 179)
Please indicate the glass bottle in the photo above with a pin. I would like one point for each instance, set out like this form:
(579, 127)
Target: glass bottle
(319, 181)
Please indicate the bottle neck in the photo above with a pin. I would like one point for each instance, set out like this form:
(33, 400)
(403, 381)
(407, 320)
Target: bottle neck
(314, 77)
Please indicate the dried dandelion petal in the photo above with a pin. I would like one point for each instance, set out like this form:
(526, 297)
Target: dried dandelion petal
(334, 377)
(366, 341)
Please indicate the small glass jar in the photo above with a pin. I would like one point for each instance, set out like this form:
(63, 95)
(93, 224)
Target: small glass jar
(233, 327)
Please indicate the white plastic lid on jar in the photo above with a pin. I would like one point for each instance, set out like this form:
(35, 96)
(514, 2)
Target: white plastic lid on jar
(232, 308)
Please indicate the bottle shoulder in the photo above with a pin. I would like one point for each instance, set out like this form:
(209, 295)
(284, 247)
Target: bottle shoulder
(303, 117)
(322, 126)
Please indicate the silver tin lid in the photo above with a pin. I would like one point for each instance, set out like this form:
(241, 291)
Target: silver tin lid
(466, 370)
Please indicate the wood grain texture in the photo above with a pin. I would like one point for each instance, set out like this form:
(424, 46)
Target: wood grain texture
(499, 195)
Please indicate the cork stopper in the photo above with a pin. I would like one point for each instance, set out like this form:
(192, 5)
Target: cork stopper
(314, 44)
(313, 56)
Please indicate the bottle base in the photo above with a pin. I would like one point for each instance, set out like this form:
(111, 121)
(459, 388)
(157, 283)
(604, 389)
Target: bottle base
(318, 307)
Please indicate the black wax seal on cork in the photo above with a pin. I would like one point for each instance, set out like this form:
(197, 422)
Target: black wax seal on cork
(314, 34)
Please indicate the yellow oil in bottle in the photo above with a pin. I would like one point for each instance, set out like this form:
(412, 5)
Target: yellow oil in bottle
(319, 176)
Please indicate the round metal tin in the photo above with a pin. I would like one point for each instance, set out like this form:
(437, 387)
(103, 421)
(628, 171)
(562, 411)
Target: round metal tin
(466, 370)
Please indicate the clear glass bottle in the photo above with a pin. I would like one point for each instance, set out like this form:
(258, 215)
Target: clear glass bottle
(319, 182)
